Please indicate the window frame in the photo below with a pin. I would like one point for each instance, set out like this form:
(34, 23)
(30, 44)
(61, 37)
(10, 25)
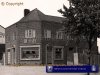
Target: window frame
(46, 34)
(29, 50)
(62, 56)
(61, 35)
(29, 33)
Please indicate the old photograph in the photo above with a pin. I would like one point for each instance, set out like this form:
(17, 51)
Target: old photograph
(35, 34)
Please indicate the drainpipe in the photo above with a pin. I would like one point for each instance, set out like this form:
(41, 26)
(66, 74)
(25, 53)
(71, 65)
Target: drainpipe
(46, 52)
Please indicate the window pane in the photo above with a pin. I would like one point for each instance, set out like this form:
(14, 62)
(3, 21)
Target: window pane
(47, 33)
(58, 53)
(71, 48)
(59, 35)
(33, 33)
(26, 33)
(30, 53)
(30, 33)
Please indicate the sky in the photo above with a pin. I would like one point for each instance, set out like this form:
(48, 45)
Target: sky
(11, 12)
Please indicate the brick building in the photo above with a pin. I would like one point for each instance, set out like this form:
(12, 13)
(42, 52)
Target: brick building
(39, 39)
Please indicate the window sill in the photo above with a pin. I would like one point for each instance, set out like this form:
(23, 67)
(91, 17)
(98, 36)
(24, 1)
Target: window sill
(31, 59)
(58, 59)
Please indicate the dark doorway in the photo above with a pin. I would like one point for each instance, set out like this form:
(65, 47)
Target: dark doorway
(49, 55)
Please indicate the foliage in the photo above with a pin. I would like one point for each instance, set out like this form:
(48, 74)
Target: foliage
(82, 18)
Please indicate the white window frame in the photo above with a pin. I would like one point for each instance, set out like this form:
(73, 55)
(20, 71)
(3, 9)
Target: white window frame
(46, 35)
(62, 52)
(32, 50)
(27, 33)
(61, 35)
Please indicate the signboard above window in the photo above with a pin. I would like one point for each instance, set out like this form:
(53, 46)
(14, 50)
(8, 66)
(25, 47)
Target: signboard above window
(30, 40)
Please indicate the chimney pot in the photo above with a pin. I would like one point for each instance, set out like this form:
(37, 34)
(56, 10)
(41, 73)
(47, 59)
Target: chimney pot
(26, 12)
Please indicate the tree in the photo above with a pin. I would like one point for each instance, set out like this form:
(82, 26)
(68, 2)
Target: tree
(82, 18)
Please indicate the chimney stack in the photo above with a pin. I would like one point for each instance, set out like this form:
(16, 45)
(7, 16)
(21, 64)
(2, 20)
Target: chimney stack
(26, 12)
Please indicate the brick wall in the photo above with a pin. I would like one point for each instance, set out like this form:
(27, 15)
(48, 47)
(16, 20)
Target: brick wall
(53, 26)
(21, 33)
(9, 41)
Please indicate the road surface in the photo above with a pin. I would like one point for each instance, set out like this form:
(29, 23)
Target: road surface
(31, 70)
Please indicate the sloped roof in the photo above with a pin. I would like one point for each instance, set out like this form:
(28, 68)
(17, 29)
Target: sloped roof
(2, 26)
(37, 15)
(2, 30)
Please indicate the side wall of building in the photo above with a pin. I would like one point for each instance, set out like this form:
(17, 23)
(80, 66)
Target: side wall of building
(11, 44)
(2, 35)
(2, 41)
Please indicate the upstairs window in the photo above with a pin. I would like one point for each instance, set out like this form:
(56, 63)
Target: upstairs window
(69, 37)
(59, 35)
(47, 33)
(13, 36)
(30, 33)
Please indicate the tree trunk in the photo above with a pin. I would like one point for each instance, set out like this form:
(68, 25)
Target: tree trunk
(89, 54)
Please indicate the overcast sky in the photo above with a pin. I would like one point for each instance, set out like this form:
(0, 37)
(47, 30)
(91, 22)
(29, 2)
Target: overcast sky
(11, 14)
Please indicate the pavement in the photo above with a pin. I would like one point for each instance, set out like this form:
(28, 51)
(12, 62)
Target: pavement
(31, 70)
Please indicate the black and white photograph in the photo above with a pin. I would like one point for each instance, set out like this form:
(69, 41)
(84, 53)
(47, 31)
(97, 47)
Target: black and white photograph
(38, 33)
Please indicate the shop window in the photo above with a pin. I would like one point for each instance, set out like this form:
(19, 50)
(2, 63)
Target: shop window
(30, 53)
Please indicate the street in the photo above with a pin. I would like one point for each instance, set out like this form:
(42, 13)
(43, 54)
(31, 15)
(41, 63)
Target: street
(31, 70)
